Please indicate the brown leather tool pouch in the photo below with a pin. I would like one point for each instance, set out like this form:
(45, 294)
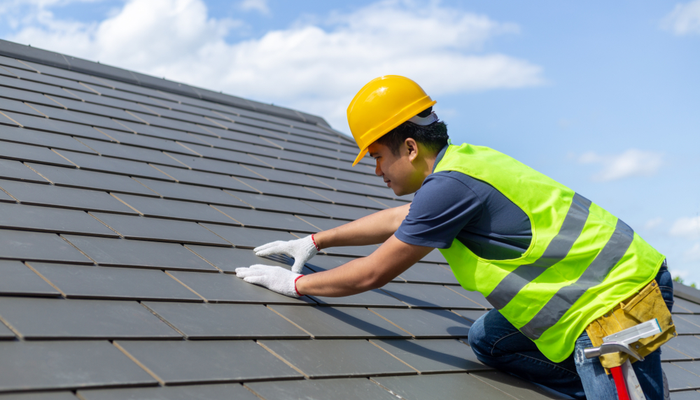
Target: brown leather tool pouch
(639, 308)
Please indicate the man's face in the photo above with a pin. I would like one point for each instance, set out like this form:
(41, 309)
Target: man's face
(398, 170)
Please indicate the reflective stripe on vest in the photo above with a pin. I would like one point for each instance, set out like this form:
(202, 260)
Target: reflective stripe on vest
(582, 261)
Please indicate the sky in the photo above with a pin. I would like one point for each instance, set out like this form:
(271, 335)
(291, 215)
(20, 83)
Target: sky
(601, 96)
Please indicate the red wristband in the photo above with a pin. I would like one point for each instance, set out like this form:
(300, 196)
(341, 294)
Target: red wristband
(295, 285)
(314, 242)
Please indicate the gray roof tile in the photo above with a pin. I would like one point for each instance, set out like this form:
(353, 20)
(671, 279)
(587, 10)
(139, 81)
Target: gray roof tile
(476, 297)
(220, 160)
(91, 108)
(327, 389)
(321, 224)
(18, 279)
(192, 392)
(39, 396)
(247, 237)
(670, 354)
(77, 281)
(345, 322)
(266, 219)
(429, 273)
(155, 131)
(340, 211)
(37, 246)
(371, 298)
(208, 361)
(91, 180)
(277, 175)
(129, 152)
(356, 251)
(114, 165)
(227, 288)
(6, 333)
(23, 152)
(470, 315)
(428, 296)
(228, 259)
(685, 395)
(427, 323)
(682, 306)
(441, 386)
(515, 387)
(274, 203)
(201, 178)
(6, 197)
(359, 358)
(200, 194)
(56, 126)
(688, 345)
(137, 253)
(685, 326)
(37, 319)
(17, 106)
(280, 189)
(139, 227)
(680, 378)
(28, 85)
(16, 170)
(348, 199)
(230, 166)
(30, 136)
(59, 196)
(82, 364)
(175, 209)
(434, 355)
(227, 321)
(148, 142)
(47, 219)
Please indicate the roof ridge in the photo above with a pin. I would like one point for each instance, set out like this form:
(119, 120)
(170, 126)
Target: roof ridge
(97, 69)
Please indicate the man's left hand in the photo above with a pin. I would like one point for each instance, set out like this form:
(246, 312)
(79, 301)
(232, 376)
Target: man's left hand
(277, 279)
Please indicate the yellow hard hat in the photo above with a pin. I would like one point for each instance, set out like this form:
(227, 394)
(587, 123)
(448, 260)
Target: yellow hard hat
(382, 105)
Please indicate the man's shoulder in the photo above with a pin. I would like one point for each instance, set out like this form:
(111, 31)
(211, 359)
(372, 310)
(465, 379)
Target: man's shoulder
(451, 180)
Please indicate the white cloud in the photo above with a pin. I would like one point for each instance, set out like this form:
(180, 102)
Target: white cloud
(255, 5)
(686, 227)
(653, 223)
(316, 67)
(632, 162)
(693, 253)
(684, 19)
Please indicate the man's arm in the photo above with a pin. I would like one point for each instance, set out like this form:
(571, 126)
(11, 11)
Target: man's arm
(362, 274)
(372, 229)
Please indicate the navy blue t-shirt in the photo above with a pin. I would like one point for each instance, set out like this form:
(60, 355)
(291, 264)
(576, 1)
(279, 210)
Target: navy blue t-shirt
(452, 205)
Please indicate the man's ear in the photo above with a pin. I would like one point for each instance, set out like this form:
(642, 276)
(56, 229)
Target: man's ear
(411, 147)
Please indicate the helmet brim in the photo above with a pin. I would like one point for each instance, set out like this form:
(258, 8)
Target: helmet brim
(360, 156)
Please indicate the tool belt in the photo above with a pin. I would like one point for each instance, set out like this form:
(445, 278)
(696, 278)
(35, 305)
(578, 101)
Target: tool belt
(638, 308)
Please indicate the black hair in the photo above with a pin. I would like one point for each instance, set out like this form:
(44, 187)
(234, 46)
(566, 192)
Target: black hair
(433, 137)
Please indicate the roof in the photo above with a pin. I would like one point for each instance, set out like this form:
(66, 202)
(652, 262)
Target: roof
(126, 203)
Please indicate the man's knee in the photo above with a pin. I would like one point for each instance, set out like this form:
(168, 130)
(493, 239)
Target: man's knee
(478, 338)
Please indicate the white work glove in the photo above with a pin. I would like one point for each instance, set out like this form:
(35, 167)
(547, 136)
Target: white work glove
(277, 279)
(300, 249)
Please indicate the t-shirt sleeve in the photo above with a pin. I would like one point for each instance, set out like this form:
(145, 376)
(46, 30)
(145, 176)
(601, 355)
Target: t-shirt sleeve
(440, 209)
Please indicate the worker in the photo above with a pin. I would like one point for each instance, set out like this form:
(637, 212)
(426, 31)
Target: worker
(552, 263)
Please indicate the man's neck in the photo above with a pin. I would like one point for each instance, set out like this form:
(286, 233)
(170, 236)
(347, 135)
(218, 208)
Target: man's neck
(435, 160)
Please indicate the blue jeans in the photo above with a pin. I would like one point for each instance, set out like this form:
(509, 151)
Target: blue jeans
(497, 343)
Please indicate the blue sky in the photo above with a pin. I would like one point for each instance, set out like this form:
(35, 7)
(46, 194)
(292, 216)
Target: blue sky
(602, 96)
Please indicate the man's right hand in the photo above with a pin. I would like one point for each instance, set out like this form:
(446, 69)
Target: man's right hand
(300, 249)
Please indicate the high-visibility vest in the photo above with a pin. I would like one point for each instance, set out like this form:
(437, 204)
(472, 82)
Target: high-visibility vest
(582, 260)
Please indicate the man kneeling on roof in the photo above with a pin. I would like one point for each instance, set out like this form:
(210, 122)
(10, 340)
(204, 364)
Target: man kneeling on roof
(553, 264)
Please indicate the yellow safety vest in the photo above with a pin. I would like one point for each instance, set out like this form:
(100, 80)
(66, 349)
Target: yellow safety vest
(582, 260)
